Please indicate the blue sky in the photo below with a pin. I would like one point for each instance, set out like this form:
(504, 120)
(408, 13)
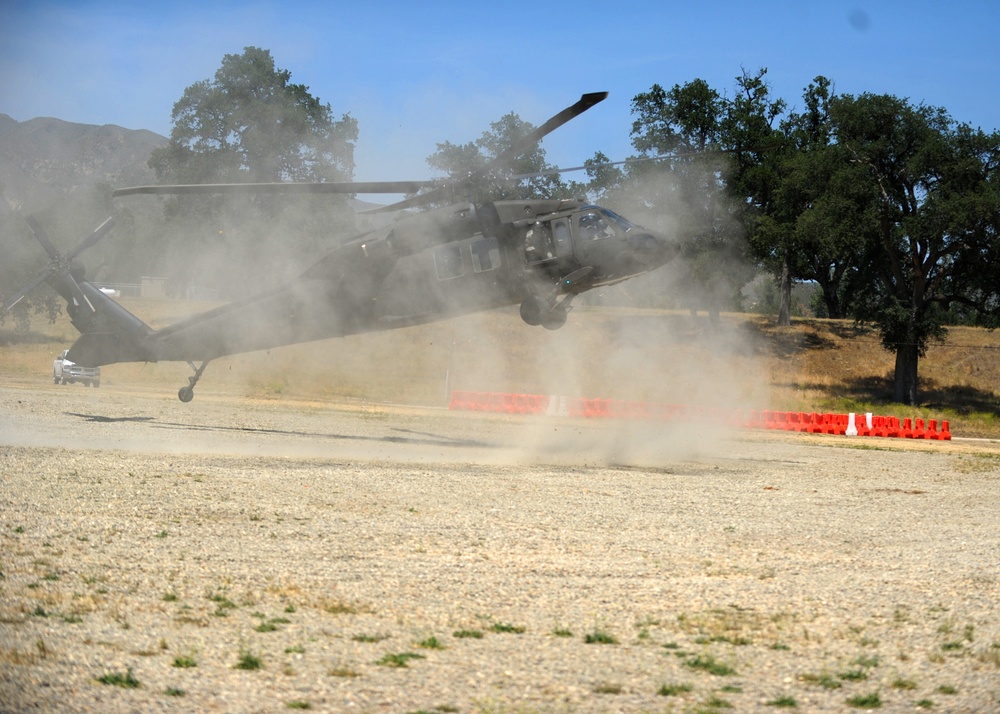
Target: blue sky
(421, 72)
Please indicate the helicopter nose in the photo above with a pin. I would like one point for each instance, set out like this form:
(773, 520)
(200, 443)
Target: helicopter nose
(651, 248)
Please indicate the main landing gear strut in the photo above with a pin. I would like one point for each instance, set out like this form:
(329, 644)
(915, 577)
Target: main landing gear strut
(186, 394)
(537, 310)
(545, 310)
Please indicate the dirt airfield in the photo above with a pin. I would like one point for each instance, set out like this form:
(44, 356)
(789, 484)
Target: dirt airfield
(235, 555)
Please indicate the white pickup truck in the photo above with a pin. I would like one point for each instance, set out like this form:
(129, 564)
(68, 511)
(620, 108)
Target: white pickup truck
(68, 372)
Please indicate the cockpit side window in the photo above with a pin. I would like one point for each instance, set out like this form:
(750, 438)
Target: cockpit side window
(594, 225)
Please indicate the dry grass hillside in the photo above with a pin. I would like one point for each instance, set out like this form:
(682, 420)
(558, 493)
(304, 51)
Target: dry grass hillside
(743, 361)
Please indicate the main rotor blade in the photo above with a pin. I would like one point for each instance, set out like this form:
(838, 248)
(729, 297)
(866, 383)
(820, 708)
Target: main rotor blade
(45, 275)
(625, 162)
(42, 237)
(509, 154)
(341, 187)
(529, 141)
(585, 102)
(90, 240)
(421, 199)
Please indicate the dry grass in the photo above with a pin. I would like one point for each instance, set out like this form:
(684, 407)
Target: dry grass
(814, 365)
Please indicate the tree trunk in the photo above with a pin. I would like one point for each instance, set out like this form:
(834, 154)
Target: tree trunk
(785, 290)
(904, 387)
(832, 301)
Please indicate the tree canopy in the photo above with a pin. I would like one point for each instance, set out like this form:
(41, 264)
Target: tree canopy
(540, 178)
(251, 124)
(891, 208)
(932, 227)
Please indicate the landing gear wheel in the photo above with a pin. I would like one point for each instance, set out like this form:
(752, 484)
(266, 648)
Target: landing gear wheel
(554, 319)
(185, 394)
(533, 310)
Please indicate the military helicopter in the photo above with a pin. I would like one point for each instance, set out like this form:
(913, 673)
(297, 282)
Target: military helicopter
(425, 266)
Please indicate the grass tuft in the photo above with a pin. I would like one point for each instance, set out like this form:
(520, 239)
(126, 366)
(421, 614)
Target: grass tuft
(787, 702)
(117, 679)
(507, 628)
(865, 701)
(345, 672)
(468, 634)
(674, 690)
(248, 661)
(854, 675)
(599, 637)
(369, 638)
(824, 680)
(714, 702)
(710, 664)
(399, 660)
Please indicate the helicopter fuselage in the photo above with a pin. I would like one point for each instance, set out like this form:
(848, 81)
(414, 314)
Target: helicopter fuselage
(432, 266)
(426, 266)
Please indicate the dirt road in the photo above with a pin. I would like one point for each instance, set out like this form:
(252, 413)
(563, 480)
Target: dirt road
(233, 556)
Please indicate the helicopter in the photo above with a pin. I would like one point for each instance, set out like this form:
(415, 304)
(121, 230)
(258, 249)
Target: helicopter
(461, 257)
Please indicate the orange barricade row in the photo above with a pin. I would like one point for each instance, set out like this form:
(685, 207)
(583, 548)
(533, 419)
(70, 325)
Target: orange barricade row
(811, 423)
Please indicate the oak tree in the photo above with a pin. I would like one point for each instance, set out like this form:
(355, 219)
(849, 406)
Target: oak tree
(252, 124)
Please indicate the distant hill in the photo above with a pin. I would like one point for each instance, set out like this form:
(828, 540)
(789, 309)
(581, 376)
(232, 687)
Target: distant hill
(44, 160)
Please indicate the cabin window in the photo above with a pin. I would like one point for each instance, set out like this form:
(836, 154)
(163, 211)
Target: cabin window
(485, 255)
(538, 243)
(564, 245)
(448, 261)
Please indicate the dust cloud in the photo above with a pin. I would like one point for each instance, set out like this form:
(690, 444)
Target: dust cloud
(643, 340)
(658, 338)
(706, 371)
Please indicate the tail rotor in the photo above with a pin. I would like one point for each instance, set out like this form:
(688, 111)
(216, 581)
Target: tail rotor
(62, 272)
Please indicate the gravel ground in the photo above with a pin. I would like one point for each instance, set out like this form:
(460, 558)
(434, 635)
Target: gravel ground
(384, 559)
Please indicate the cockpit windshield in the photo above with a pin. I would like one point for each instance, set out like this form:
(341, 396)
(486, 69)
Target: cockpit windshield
(622, 222)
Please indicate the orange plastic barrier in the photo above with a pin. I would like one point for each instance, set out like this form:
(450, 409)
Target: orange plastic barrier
(812, 423)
